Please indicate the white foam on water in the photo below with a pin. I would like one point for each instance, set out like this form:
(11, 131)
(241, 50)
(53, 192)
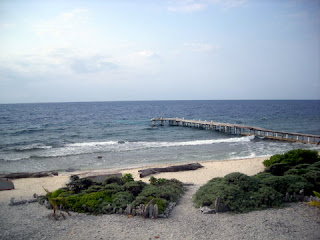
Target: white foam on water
(92, 144)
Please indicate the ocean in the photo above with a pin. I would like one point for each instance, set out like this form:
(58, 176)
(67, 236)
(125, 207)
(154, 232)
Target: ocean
(62, 136)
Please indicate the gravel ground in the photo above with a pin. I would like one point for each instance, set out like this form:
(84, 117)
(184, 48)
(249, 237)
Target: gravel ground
(30, 221)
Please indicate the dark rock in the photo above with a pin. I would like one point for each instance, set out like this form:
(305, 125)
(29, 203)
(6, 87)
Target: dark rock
(155, 211)
(128, 209)
(287, 197)
(6, 184)
(133, 213)
(99, 157)
(177, 168)
(306, 199)
(150, 211)
(220, 206)
(14, 202)
(168, 210)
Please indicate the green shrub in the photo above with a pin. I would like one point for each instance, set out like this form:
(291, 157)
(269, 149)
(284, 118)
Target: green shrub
(238, 192)
(293, 157)
(162, 204)
(278, 169)
(285, 173)
(121, 199)
(287, 184)
(113, 188)
(113, 179)
(245, 182)
(84, 195)
(313, 177)
(135, 187)
(94, 188)
(169, 192)
(80, 184)
(87, 202)
(56, 193)
(127, 178)
(66, 194)
(140, 200)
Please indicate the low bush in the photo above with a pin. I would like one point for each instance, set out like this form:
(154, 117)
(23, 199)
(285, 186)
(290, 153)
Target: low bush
(238, 192)
(84, 195)
(293, 157)
(135, 187)
(288, 184)
(285, 173)
(80, 184)
(121, 199)
(169, 190)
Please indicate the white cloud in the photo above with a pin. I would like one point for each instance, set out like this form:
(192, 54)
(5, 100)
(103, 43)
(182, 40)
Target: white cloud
(193, 7)
(201, 47)
(146, 53)
(68, 25)
(6, 25)
(59, 61)
(189, 6)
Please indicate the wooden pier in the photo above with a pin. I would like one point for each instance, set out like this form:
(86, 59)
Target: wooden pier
(238, 129)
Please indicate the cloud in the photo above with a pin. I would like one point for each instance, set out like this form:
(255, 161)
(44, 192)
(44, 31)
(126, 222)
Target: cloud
(57, 61)
(92, 64)
(185, 7)
(67, 26)
(201, 47)
(6, 25)
(147, 54)
(189, 6)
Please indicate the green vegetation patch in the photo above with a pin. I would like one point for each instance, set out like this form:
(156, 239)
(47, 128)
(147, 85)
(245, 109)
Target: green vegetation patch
(286, 173)
(115, 194)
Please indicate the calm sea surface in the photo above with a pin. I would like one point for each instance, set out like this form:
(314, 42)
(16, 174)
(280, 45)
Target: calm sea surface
(58, 136)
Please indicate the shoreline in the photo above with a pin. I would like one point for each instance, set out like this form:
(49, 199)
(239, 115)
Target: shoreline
(26, 187)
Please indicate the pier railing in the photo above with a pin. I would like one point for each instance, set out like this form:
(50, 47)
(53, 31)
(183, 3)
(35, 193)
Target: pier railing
(238, 129)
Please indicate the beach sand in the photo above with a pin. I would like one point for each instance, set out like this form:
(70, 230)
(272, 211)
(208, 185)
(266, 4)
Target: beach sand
(25, 188)
(30, 221)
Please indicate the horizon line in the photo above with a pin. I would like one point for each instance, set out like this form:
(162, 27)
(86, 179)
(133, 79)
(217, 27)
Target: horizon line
(165, 100)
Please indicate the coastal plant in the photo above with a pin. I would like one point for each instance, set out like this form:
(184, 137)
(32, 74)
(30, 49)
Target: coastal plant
(115, 194)
(80, 184)
(113, 179)
(237, 192)
(88, 202)
(56, 202)
(287, 184)
(169, 190)
(135, 187)
(293, 173)
(293, 158)
(127, 178)
(122, 199)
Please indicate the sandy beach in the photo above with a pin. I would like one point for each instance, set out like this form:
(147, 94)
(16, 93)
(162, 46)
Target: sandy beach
(24, 188)
(30, 221)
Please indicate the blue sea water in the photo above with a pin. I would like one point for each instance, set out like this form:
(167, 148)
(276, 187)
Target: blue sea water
(58, 136)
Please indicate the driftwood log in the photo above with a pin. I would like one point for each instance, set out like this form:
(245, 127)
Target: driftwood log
(177, 168)
(29, 175)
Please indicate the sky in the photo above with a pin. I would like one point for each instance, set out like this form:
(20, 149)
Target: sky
(123, 50)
